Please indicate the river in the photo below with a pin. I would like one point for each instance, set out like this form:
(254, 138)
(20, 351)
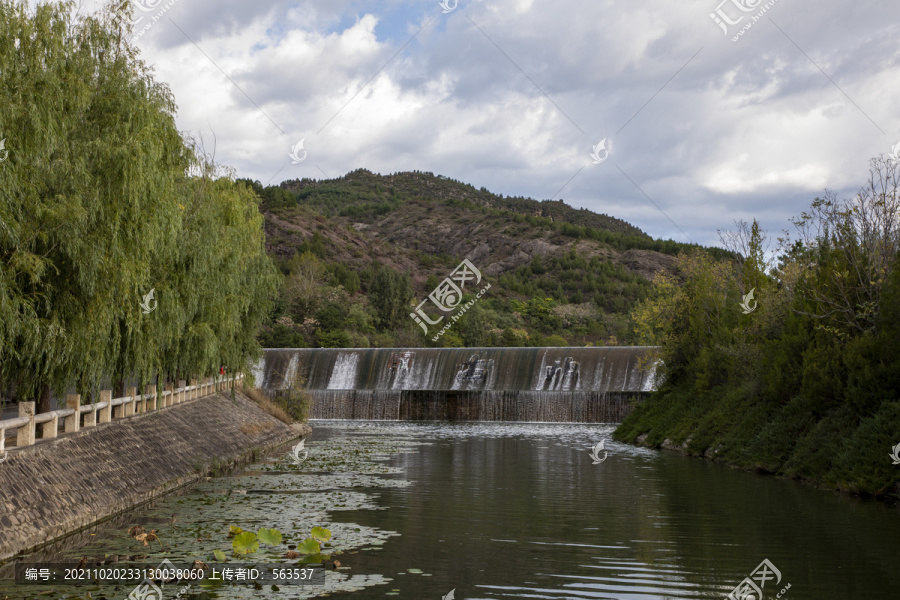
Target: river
(493, 510)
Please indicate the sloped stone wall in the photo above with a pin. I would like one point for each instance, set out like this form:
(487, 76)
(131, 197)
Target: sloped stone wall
(58, 486)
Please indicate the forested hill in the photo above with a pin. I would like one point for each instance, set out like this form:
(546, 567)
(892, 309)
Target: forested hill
(559, 275)
(360, 191)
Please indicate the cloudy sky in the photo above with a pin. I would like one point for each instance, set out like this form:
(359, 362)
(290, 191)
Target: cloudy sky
(514, 95)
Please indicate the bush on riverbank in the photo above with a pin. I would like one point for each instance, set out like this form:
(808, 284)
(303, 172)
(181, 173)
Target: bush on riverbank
(295, 400)
(807, 385)
(290, 404)
(262, 400)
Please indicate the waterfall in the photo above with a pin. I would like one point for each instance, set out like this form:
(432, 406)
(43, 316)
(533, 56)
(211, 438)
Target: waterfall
(343, 376)
(552, 384)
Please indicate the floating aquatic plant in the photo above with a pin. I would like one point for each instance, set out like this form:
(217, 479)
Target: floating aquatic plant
(269, 537)
(321, 534)
(245, 542)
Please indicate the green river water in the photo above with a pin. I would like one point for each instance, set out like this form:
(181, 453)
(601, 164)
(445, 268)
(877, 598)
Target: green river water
(493, 510)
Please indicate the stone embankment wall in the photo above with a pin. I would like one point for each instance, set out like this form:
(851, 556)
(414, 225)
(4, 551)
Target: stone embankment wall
(59, 486)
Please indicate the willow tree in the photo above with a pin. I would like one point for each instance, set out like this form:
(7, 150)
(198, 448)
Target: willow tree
(99, 206)
(93, 149)
(221, 281)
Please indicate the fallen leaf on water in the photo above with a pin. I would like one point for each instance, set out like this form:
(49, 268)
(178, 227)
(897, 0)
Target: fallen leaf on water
(146, 538)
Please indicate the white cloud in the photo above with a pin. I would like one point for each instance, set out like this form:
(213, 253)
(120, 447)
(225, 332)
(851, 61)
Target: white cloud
(747, 128)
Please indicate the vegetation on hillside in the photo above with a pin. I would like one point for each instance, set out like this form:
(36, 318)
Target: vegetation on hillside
(327, 305)
(807, 385)
(578, 295)
(101, 202)
(362, 192)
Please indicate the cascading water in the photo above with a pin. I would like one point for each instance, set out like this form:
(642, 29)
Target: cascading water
(343, 376)
(535, 384)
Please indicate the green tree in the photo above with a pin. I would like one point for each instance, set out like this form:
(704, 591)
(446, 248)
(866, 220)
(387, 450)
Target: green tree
(390, 295)
(303, 287)
(92, 177)
(472, 326)
(97, 209)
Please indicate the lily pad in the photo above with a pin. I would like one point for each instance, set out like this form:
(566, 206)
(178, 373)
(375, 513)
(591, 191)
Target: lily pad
(220, 556)
(309, 546)
(321, 534)
(313, 559)
(269, 537)
(245, 543)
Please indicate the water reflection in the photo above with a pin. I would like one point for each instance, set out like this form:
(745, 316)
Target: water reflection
(520, 511)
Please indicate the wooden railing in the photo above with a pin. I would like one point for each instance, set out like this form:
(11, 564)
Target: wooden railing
(76, 417)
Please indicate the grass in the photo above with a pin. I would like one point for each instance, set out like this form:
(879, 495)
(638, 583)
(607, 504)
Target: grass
(261, 399)
(256, 428)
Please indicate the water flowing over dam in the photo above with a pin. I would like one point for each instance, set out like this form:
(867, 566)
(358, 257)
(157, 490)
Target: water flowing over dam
(467, 384)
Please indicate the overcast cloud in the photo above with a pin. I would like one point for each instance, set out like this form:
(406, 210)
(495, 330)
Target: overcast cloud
(513, 94)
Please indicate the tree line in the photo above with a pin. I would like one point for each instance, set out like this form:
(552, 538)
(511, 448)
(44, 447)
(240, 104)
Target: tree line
(102, 201)
(802, 380)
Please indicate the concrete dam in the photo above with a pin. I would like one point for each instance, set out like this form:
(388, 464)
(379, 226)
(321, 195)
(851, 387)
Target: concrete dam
(582, 385)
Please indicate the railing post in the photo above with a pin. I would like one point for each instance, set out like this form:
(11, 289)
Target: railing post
(106, 412)
(50, 429)
(131, 407)
(73, 422)
(149, 391)
(167, 400)
(181, 384)
(90, 419)
(195, 393)
(118, 410)
(25, 433)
